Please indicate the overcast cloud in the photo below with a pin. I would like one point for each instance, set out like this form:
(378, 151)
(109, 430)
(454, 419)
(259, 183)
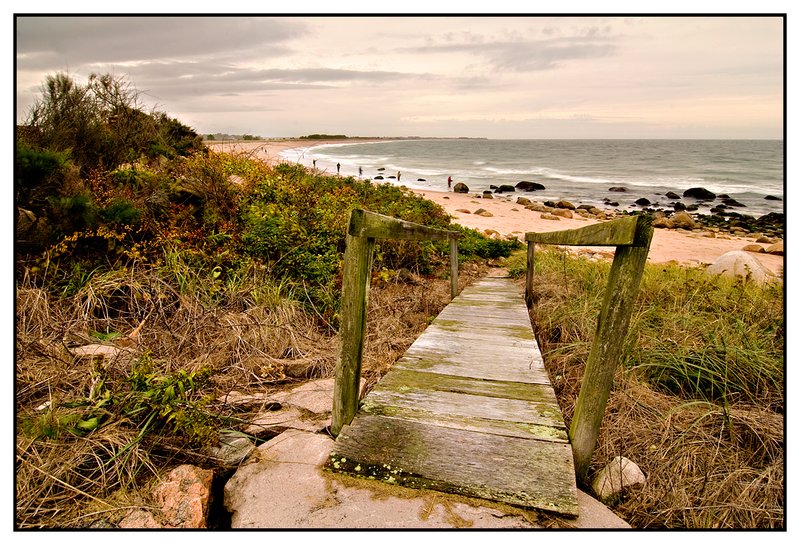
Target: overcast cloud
(498, 77)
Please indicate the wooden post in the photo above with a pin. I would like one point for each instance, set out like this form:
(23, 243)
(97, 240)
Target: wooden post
(529, 276)
(363, 229)
(355, 293)
(453, 267)
(606, 351)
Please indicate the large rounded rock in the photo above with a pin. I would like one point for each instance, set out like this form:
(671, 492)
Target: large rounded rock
(682, 220)
(529, 186)
(460, 187)
(700, 193)
(739, 264)
(505, 188)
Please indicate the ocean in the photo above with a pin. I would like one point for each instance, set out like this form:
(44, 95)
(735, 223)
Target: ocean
(580, 171)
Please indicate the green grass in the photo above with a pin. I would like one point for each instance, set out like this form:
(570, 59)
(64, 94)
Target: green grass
(692, 334)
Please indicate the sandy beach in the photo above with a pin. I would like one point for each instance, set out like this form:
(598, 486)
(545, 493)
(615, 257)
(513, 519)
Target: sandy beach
(508, 218)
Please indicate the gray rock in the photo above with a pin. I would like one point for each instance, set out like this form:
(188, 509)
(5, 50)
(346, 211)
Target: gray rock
(612, 480)
(232, 449)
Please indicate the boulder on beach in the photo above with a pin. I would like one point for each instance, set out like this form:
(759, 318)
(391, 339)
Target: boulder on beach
(618, 189)
(683, 220)
(755, 248)
(700, 193)
(742, 265)
(505, 188)
(773, 198)
(529, 186)
(487, 195)
(672, 195)
(565, 204)
(482, 212)
(460, 187)
(643, 202)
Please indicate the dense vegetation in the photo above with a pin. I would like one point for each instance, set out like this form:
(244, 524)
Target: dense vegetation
(699, 404)
(202, 272)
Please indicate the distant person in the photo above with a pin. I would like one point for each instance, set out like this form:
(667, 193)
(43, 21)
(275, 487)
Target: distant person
(359, 172)
(398, 175)
(449, 182)
(338, 166)
(315, 163)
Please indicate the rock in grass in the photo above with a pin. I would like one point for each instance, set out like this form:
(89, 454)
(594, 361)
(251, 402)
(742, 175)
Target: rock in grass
(739, 264)
(612, 480)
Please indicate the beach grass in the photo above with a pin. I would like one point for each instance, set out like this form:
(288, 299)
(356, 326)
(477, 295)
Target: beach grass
(699, 400)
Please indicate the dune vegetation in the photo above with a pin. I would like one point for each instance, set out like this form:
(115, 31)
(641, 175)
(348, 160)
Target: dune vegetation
(699, 403)
(154, 276)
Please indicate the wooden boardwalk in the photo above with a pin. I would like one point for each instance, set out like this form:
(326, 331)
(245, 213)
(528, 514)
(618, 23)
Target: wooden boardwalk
(468, 410)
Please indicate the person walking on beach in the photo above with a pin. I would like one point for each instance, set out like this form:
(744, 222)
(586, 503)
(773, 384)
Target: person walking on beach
(314, 163)
(359, 173)
(338, 166)
(398, 175)
(449, 182)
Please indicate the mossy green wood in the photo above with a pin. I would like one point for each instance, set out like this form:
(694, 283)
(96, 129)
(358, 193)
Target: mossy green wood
(371, 225)
(619, 232)
(606, 352)
(355, 292)
(519, 471)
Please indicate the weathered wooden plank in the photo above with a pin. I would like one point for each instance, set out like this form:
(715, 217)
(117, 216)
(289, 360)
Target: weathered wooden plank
(468, 408)
(371, 225)
(618, 232)
(399, 379)
(523, 430)
(481, 367)
(523, 472)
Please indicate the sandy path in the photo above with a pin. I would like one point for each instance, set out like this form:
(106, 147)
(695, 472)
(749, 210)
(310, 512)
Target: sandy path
(509, 218)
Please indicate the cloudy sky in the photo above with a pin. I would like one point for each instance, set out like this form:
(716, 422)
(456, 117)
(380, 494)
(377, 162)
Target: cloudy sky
(496, 77)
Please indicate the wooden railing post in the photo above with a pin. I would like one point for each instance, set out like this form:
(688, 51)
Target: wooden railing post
(606, 351)
(529, 276)
(362, 230)
(453, 267)
(355, 294)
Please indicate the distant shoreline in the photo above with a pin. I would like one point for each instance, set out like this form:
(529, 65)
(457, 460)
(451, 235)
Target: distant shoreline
(508, 218)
